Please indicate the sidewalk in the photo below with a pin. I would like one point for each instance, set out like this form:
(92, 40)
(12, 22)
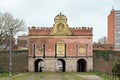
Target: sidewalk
(90, 77)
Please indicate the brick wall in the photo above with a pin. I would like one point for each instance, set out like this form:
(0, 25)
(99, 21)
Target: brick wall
(101, 65)
(19, 61)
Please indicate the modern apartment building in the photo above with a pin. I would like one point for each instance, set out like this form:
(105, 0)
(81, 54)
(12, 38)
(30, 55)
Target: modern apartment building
(114, 28)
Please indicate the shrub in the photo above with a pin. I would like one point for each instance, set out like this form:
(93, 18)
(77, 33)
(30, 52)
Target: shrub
(1, 70)
(104, 54)
(116, 69)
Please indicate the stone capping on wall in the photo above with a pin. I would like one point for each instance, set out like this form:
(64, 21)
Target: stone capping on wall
(60, 57)
(39, 28)
(85, 31)
(81, 28)
(50, 28)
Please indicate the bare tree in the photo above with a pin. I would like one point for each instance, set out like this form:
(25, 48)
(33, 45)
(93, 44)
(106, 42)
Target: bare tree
(103, 40)
(7, 21)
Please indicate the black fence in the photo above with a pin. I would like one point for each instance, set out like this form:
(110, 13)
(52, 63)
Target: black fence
(114, 76)
(110, 76)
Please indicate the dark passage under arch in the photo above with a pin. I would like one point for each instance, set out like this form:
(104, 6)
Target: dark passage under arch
(38, 65)
(81, 65)
(63, 65)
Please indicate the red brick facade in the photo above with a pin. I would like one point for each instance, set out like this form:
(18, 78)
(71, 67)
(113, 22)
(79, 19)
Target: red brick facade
(22, 42)
(111, 27)
(60, 41)
(72, 46)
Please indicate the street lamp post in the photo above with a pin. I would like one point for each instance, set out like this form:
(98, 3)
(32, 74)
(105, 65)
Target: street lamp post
(10, 56)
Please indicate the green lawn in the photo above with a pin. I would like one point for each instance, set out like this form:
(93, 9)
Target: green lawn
(50, 76)
(44, 76)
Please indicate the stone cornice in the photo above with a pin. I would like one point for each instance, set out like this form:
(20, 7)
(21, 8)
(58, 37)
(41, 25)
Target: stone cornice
(71, 37)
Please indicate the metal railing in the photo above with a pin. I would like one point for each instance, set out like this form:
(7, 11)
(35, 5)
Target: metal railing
(110, 76)
(114, 76)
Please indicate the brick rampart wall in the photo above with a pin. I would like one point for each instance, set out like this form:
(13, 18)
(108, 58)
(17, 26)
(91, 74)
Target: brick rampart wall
(19, 61)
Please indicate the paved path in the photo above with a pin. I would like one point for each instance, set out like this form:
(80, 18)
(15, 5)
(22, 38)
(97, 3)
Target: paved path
(90, 77)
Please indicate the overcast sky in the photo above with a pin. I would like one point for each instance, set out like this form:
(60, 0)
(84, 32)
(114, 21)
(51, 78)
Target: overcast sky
(41, 13)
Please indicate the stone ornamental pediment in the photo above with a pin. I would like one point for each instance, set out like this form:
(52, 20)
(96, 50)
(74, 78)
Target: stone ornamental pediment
(60, 27)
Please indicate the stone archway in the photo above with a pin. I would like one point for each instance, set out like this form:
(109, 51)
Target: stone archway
(39, 65)
(81, 65)
(60, 65)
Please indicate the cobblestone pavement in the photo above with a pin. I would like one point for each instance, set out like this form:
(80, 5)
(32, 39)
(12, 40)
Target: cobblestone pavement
(90, 77)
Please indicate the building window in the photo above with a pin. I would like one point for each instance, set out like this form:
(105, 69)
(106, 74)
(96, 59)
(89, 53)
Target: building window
(43, 50)
(34, 50)
(117, 14)
(117, 27)
(117, 19)
(55, 50)
(117, 43)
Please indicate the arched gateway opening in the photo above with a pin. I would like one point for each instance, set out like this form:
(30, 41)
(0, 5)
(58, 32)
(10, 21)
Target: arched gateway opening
(39, 65)
(60, 65)
(81, 65)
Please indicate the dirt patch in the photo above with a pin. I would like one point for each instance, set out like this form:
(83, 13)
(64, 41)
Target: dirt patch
(90, 77)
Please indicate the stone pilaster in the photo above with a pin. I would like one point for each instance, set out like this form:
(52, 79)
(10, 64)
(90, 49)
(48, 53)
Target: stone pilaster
(50, 64)
(71, 65)
(31, 64)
